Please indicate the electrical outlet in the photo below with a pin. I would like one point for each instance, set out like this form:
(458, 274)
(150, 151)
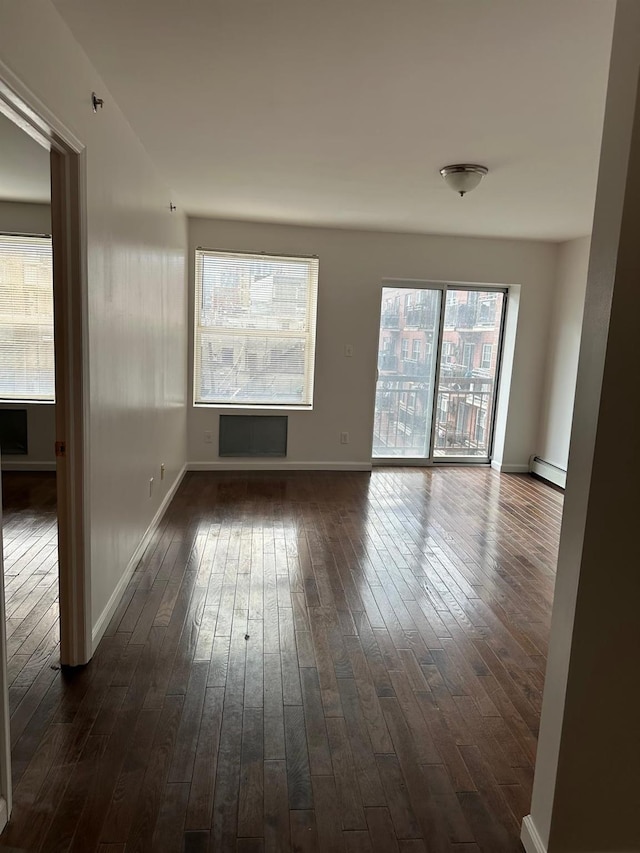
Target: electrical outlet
(344, 438)
(348, 350)
(208, 438)
(150, 486)
(162, 470)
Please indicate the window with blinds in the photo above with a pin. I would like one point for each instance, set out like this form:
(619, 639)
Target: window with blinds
(255, 328)
(26, 319)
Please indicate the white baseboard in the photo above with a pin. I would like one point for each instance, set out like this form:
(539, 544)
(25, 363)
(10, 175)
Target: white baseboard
(105, 617)
(17, 465)
(505, 468)
(530, 837)
(548, 471)
(276, 465)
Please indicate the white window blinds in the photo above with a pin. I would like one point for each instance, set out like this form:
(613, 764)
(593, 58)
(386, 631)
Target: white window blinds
(26, 319)
(255, 327)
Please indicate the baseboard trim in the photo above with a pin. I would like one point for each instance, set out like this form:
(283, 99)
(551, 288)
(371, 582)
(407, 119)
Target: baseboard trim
(509, 469)
(16, 465)
(276, 465)
(530, 837)
(548, 471)
(105, 617)
(4, 817)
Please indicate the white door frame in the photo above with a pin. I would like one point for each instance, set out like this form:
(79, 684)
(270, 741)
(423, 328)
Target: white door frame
(68, 207)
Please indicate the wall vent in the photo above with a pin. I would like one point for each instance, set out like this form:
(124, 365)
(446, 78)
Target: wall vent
(253, 435)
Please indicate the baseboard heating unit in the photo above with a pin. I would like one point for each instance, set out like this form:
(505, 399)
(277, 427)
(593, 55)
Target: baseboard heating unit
(548, 471)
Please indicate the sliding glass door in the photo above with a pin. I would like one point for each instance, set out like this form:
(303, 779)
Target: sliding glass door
(408, 344)
(438, 359)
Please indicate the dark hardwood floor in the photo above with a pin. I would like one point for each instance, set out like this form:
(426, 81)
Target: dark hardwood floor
(310, 662)
(31, 585)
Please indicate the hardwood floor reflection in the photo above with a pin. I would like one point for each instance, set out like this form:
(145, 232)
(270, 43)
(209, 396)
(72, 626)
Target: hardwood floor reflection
(30, 539)
(310, 661)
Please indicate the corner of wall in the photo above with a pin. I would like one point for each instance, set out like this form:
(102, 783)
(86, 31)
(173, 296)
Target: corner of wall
(503, 424)
(562, 348)
(102, 622)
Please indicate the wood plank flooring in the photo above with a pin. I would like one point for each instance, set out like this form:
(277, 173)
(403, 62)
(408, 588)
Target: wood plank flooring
(30, 538)
(308, 662)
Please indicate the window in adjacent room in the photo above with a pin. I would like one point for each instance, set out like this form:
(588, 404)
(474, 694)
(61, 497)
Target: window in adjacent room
(26, 319)
(255, 328)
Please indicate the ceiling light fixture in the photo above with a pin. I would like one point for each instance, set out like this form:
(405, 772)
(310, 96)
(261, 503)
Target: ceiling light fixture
(463, 177)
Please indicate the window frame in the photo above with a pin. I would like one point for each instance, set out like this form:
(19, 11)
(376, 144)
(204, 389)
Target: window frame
(310, 334)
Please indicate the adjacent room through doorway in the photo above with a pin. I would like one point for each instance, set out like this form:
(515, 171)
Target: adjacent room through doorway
(27, 419)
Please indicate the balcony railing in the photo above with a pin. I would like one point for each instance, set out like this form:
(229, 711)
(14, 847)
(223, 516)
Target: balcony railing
(403, 412)
(420, 316)
(391, 320)
(462, 419)
(400, 427)
(388, 361)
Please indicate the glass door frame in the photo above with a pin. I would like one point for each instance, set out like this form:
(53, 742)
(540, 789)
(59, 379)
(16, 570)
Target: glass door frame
(444, 287)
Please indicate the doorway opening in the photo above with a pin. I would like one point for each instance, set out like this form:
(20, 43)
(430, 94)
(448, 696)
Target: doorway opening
(27, 413)
(43, 325)
(439, 356)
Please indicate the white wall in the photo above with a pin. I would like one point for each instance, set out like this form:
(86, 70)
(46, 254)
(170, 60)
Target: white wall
(41, 427)
(563, 350)
(136, 294)
(352, 266)
(587, 778)
(25, 218)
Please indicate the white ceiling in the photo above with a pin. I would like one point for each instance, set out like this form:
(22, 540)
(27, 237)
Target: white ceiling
(341, 112)
(24, 166)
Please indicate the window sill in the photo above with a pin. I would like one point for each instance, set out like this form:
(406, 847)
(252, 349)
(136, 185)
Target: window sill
(8, 402)
(238, 407)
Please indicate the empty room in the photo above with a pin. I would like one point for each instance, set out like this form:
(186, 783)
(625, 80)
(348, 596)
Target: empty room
(341, 303)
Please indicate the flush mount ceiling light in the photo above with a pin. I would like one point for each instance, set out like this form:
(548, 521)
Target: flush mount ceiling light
(463, 177)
